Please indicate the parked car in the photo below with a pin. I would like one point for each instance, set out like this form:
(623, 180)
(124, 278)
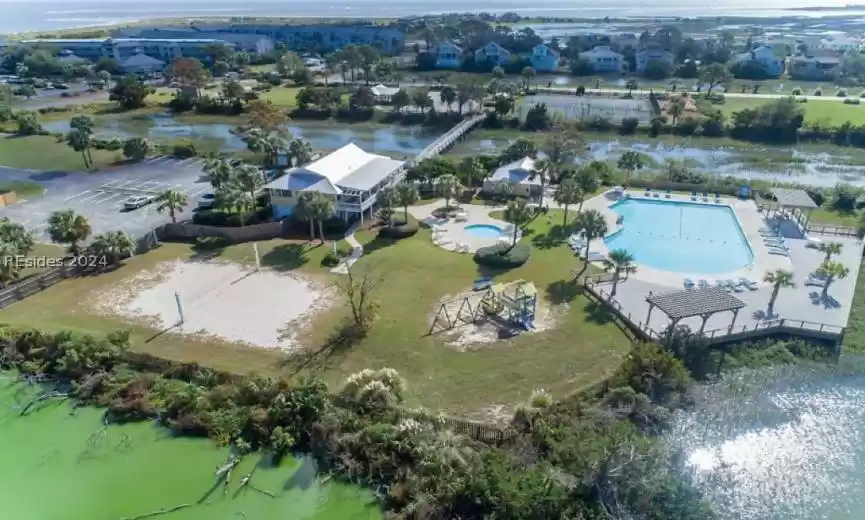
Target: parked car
(136, 201)
(61, 86)
(207, 201)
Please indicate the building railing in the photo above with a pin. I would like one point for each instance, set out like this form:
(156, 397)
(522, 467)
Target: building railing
(827, 229)
(811, 329)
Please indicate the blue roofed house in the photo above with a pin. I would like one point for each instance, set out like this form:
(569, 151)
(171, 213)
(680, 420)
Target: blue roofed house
(492, 53)
(603, 59)
(765, 56)
(349, 175)
(646, 56)
(518, 175)
(544, 59)
(448, 55)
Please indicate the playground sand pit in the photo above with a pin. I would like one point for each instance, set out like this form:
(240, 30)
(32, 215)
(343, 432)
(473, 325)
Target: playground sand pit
(486, 331)
(222, 300)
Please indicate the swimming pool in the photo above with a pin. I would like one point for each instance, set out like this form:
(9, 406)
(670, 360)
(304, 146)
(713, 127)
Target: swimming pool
(680, 236)
(483, 231)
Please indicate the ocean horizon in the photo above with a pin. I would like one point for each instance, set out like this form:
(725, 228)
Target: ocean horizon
(44, 15)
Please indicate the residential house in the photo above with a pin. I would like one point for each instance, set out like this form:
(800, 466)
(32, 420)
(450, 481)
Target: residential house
(492, 53)
(765, 56)
(645, 56)
(603, 59)
(817, 68)
(122, 48)
(518, 175)
(349, 175)
(544, 59)
(448, 55)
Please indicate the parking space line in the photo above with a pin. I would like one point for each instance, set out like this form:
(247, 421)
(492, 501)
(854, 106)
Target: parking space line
(111, 196)
(96, 195)
(85, 192)
(197, 191)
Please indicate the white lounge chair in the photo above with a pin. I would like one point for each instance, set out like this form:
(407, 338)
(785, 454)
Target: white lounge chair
(813, 280)
(703, 284)
(749, 284)
(461, 217)
(689, 284)
(779, 252)
(443, 241)
(734, 285)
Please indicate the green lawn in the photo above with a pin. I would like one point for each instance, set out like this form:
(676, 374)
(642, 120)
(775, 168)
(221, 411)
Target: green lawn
(282, 96)
(582, 348)
(40, 251)
(830, 216)
(42, 152)
(854, 335)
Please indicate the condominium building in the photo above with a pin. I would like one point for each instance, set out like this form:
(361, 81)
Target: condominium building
(123, 48)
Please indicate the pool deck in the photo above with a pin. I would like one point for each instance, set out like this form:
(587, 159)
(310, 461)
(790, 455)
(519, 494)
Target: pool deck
(455, 232)
(750, 221)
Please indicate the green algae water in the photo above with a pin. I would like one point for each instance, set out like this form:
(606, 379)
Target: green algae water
(59, 465)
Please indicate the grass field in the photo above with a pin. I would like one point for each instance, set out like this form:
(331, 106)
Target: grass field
(42, 152)
(22, 189)
(582, 348)
(831, 112)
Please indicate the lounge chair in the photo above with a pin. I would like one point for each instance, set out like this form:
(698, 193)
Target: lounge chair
(689, 284)
(443, 241)
(595, 256)
(693, 195)
(734, 285)
(749, 284)
(648, 192)
(461, 217)
(717, 198)
(705, 196)
(703, 284)
(667, 195)
(656, 194)
(779, 252)
(813, 280)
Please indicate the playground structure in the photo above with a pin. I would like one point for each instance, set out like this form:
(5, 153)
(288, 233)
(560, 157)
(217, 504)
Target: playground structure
(513, 303)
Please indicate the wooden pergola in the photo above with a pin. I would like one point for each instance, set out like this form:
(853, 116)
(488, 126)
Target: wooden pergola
(794, 199)
(704, 303)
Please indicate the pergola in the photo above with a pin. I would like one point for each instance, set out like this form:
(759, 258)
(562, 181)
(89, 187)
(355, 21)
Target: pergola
(795, 199)
(704, 303)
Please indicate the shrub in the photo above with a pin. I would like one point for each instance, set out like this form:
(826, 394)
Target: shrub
(853, 101)
(503, 255)
(331, 259)
(400, 229)
(184, 150)
(211, 243)
(796, 91)
(862, 95)
(842, 92)
(818, 91)
(214, 217)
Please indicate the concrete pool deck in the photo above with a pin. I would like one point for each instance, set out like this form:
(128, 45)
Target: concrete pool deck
(750, 220)
(455, 232)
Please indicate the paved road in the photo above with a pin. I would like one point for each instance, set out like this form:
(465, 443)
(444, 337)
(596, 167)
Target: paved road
(100, 196)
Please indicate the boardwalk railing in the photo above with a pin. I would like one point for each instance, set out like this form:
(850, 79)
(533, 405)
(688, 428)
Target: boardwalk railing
(825, 229)
(799, 328)
(449, 138)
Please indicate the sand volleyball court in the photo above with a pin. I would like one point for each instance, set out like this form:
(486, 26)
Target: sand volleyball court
(223, 300)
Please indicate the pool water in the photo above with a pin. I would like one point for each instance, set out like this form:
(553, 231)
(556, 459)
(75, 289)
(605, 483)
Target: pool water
(483, 231)
(681, 236)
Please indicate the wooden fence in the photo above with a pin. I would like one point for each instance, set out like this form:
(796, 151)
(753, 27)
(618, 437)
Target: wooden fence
(36, 284)
(479, 431)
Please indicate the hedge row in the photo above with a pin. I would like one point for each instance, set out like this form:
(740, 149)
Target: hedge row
(503, 255)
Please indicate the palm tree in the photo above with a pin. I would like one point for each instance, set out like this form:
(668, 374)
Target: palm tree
(471, 167)
(406, 195)
(593, 225)
(588, 181)
(387, 199)
(172, 201)
(518, 214)
(218, 169)
(303, 211)
(231, 198)
(249, 179)
(300, 151)
(321, 209)
(630, 161)
(831, 271)
(676, 108)
(829, 249)
(447, 96)
(80, 141)
(112, 246)
(9, 271)
(619, 261)
(778, 278)
(561, 149)
(568, 192)
(543, 170)
(447, 186)
(67, 227)
(528, 74)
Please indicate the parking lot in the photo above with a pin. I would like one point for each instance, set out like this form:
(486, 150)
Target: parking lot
(100, 196)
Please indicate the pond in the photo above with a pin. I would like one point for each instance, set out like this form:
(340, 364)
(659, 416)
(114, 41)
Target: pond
(385, 139)
(60, 464)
